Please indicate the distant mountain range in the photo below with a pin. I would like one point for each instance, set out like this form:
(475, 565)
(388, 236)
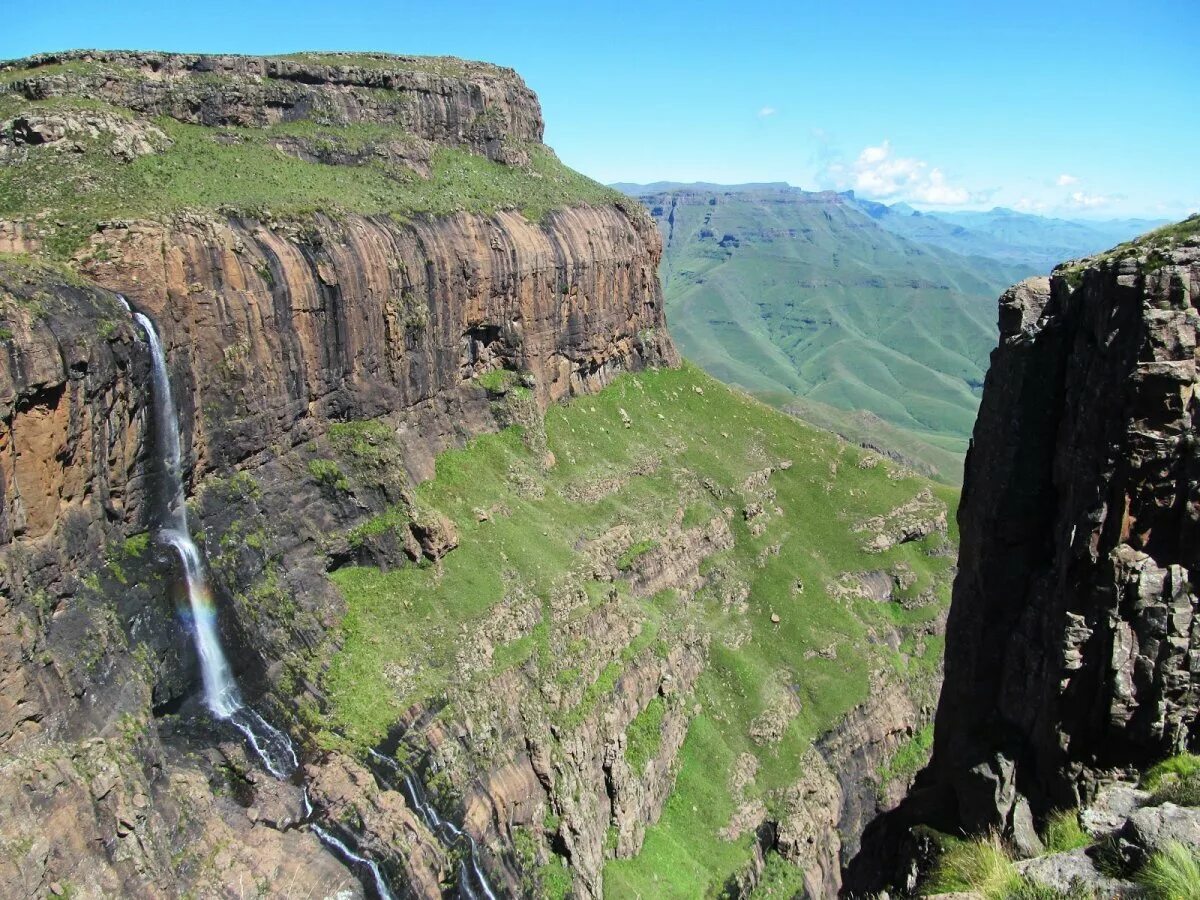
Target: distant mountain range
(1008, 235)
(874, 320)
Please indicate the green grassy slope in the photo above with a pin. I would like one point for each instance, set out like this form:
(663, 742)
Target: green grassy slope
(687, 452)
(250, 170)
(794, 295)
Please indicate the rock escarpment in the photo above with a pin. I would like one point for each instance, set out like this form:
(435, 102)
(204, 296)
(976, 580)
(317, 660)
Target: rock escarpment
(279, 330)
(356, 263)
(436, 101)
(1073, 645)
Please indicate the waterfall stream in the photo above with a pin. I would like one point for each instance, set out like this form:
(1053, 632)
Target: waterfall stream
(447, 833)
(221, 695)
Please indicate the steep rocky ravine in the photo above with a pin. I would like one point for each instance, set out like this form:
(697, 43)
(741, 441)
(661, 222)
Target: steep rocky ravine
(1073, 647)
(321, 361)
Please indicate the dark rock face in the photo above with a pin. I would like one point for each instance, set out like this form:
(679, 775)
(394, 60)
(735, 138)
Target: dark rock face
(1070, 644)
(1073, 645)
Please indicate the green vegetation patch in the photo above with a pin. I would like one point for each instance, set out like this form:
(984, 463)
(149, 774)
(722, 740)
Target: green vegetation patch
(632, 554)
(644, 737)
(1064, 833)
(1172, 874)
(983, 867)
(242, 171)
(530, 551)
(909, 757)
(1151, 245)
(1175, 780)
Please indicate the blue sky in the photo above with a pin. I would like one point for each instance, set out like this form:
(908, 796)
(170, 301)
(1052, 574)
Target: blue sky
(1082, 109)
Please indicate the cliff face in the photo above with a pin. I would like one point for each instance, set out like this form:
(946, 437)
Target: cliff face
(441, 101)
(1073, 647)
(356, 263)
(277, 329)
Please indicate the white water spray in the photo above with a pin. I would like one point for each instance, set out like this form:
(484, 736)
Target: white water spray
(444, 830)
(221, 694)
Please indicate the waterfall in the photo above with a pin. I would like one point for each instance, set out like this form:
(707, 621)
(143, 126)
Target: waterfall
(354, 860)
(447, 833)
(221, 694)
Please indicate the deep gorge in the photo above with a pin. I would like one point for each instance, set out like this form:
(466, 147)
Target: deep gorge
(537, 607)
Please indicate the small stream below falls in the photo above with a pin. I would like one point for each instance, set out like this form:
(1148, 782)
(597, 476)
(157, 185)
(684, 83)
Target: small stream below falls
(222, 697)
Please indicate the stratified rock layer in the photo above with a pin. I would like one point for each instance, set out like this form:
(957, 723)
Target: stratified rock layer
(1071, 643)
(275, 330)
(445, 101)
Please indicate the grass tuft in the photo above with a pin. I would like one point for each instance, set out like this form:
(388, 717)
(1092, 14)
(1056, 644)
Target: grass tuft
(982, 866)
(1175, 780)
(1064, 833)
(1172, 874)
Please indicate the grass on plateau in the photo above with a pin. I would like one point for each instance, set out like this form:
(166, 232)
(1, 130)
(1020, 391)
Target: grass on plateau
(242, 171)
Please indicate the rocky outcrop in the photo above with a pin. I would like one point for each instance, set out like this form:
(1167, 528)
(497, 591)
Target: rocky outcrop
(439, 101)
(389, 830)
(361, 317)
(841, 789)
(1072, 645)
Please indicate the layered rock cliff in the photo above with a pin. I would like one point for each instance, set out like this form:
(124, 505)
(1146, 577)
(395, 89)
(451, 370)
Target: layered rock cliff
(1073, 645)
(277, 327)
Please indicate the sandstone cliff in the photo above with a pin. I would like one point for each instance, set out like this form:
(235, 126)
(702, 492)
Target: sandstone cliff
(356, 263)
(1073, 647)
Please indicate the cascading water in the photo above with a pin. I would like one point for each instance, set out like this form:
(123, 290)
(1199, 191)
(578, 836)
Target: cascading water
(221, 694)
(471, 880)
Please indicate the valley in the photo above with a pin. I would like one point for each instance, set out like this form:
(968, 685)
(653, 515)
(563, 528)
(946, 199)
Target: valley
(859, 317)
(389, 510)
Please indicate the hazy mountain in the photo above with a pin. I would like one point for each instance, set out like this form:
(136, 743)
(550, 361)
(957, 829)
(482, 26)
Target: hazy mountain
(658, 187)
(1042, 241)
(1005, 234)
(806, 299)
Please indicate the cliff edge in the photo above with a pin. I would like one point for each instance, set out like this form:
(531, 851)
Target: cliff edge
(1073, 645)
(321, 240)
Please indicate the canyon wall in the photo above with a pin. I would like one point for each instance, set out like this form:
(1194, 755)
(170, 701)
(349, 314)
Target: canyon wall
(322, 355)
(1073, 645)
(277, 329)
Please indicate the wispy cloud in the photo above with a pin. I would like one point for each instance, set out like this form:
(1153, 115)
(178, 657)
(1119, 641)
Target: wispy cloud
(879, 173)
(1084, 200)
(767, 111)
(1066, 180)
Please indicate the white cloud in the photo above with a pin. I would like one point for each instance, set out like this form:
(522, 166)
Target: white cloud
(1084, 200)
(1066, 180)
(767, 111)
(879, 173)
